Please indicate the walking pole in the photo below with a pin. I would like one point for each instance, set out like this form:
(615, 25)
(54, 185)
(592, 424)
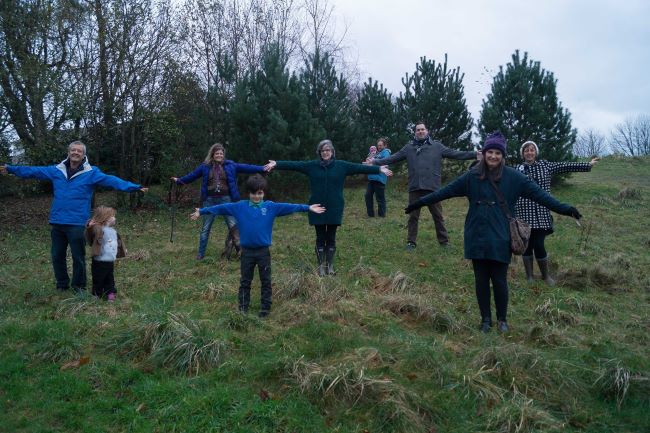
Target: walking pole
(172, 198)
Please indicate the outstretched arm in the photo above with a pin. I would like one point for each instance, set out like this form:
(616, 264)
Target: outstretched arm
(26, 172)
(457, 188)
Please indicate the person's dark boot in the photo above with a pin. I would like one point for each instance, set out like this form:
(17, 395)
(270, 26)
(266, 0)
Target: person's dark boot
(485, 325)
(320, 256)
(543, 267)
(528, 266)
(502, 326)
(331, 251)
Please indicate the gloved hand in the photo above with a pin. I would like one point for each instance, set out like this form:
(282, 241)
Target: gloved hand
(573, 212)
(413, 206)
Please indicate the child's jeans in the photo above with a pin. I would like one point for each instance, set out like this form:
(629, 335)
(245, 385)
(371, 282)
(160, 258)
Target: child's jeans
(250, 257)
(103, 279)
(208, 219)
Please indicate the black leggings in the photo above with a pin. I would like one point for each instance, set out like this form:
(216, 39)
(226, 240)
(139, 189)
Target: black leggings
(326, 235)
(497, 272)
(536, 244)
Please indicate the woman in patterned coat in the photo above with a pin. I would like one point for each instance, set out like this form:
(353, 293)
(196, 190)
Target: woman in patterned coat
(538, 216)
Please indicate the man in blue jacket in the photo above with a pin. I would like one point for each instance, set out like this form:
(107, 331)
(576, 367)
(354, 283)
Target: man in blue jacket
(74, 181)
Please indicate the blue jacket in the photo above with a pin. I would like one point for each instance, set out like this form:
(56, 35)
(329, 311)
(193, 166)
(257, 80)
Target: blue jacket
(72, 197)
(255, 222)
(487, 233)
(381, 177)
(230, 167)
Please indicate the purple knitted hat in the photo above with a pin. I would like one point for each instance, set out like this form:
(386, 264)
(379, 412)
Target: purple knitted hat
(496, 140)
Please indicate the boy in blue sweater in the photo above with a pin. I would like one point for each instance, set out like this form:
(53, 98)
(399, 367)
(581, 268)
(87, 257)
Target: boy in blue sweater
(255, 220)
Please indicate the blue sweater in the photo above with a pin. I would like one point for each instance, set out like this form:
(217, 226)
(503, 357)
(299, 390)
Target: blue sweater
(72, 197)
(255, 223)
(231, 169)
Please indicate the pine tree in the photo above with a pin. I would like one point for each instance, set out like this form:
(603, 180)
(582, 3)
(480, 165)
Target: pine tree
(375, 116)
(523, 105)
(434, 94)
(270, 117)
(330, 101)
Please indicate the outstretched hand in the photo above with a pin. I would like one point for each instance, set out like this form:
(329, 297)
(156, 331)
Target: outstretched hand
(574, 213)
(144, 189)
(594, 161)
(270, 166)
(413, 206)
(175, 179)
(368, 161)
(316, 208)
(3, 169)
(385, 170)
(195, 215)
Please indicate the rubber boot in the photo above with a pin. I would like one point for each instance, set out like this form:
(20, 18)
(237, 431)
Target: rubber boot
(320, 256)
(528, 266)
(543, 267)
(331, 251)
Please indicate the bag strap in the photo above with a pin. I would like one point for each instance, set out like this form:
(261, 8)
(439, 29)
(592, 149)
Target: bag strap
(502, 201)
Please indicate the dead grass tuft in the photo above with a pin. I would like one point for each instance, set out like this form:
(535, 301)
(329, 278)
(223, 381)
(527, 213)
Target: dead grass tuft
(351, 382)
(552, 313)
(176, 342)
(310, 288)
(616, 380)
(613, 274)
(138, 255)
(515, 367)
(521, 415)
(544, 336)
(416, 308)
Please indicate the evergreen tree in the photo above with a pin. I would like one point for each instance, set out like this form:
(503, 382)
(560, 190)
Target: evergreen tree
(436, 95)
(330, 101)
(375, 116)
(270, 118)
(523, 105)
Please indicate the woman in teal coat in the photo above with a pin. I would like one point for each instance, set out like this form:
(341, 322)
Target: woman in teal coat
(326, 179)
(487, 232)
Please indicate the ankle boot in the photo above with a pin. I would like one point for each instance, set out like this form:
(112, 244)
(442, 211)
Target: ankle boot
(331, 251)
(528, 266)
(320, 256)
(486, 324)
(543, 267)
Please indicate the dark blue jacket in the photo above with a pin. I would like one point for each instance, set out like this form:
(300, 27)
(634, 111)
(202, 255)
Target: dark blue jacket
(72, 197)
(231, 169)
(487, 233)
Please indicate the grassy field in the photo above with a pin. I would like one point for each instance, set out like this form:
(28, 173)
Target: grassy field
(390, 344)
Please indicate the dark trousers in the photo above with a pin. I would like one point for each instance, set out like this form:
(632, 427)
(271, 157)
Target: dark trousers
(436, 213)
(536, 244)
(326, 235)
(251, 257)
(376, 189)
(62, 236)
(103, 278)
(497, 272)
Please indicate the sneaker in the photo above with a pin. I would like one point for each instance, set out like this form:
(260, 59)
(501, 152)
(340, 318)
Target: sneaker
(111, 297)
(485, 326)
(502, 326)
(410, 246)
(199, 257)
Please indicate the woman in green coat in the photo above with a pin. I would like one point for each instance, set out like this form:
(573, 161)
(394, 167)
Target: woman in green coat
(326, 179)
(487, 232)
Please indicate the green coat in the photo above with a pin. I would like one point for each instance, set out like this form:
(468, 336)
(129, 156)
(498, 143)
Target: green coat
(487, 233)
(326, 184)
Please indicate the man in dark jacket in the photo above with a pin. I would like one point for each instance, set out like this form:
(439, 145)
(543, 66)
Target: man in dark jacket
(423, 157)
(74, 181)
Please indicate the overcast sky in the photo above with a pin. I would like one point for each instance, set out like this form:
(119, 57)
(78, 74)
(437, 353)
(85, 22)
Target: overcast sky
(598, 50)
